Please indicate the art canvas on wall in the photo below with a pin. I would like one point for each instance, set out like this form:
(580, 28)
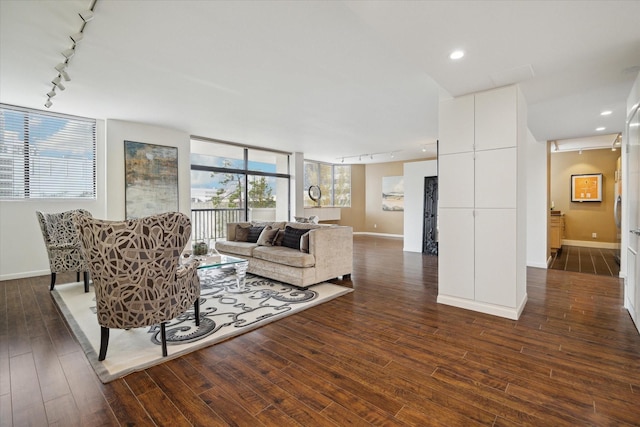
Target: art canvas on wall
(151, 179)
(393, 193)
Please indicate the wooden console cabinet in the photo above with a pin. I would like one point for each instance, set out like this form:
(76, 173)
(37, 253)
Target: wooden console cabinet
(556, 225)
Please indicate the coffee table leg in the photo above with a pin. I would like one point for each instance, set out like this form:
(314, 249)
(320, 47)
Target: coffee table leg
(241, 272)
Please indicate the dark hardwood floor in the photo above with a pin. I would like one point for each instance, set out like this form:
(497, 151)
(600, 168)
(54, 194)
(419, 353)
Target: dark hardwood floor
(587, 260)
(386, 354)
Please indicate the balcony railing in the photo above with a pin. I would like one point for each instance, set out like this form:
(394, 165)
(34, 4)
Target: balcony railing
(212, 223)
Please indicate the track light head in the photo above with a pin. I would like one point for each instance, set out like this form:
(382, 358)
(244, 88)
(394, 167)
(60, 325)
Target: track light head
(51, 93)
(61, 66)
(86, 15)
(57, 81)
(69, 52)
(77, 37)
(48, 104)
(65, 75)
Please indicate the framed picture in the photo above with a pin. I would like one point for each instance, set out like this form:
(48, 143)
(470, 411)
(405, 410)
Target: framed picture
(393, 193)
(151, 179)
(586, 187)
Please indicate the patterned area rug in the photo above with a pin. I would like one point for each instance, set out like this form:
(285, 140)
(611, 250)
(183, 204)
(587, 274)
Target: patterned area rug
(224, 314)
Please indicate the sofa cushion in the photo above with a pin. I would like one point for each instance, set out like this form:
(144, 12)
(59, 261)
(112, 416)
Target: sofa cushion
(267, 236)
(254, 233)
(292, 237)
(242, 232)
(285, 256)
(236, 248)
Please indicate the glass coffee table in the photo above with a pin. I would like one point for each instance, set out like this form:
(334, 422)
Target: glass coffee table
(221, 261)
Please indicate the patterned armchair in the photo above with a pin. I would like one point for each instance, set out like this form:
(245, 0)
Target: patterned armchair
(62, 243)
(136, 273)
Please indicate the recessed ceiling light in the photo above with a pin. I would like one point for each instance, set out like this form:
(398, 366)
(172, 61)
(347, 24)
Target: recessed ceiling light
(605, 113)
(456, 54)
(600, 129)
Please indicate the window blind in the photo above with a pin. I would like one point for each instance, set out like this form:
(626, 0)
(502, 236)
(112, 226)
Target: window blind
(46, 155)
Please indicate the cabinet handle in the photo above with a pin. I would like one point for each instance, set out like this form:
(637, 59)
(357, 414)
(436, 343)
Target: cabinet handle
(636, 231)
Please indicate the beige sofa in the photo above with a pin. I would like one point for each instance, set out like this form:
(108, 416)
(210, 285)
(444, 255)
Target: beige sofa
(330, 253)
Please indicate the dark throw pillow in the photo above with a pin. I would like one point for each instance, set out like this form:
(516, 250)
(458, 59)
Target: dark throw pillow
(254, 234)
(292, 237)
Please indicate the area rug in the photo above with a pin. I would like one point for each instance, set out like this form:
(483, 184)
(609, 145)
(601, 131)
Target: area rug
(224, 314)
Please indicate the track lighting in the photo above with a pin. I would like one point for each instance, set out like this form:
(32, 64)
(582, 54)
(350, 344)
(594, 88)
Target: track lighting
(69, 52)
(86, 15)
(343, 160)
(77, 37)
(61, 68)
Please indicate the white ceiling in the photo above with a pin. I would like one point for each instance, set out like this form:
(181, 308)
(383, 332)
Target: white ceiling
(331, 79)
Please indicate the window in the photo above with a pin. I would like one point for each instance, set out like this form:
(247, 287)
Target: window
(334, 182)
(234, 183)
(46, 155)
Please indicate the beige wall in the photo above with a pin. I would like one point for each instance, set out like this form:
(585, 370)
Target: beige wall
(355, 215)
(377, 220)
(583, 219)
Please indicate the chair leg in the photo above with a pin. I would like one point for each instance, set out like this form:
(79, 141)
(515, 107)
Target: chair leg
(86, 281)
(163, 336)
(104, 342)
(53, 281)
(77, 276)
(196, 310)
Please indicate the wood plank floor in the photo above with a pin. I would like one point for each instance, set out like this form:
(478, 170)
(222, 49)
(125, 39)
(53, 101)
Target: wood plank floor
(587, 260)
(386, 354)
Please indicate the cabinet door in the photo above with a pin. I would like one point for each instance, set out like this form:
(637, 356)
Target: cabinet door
(496, 178)
(455, 253)
(456, 125)
(495, 256)
(496, 118)
(455, 180)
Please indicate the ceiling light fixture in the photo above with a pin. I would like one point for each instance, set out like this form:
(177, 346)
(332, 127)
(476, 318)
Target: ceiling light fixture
(424, 149)
(86, 15)
(69, 52)
(57, 81)
(343, 160)
(61, 68)
(456, 54)
(605, 113)
(600, 129)
(77, 37)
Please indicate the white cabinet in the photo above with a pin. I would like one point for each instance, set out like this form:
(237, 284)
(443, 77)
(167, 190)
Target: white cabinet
(481, 262)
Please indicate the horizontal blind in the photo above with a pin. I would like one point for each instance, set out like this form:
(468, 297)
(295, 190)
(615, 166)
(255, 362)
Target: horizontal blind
(45, 155)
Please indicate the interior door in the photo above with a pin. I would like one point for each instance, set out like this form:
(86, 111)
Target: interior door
(632, 282)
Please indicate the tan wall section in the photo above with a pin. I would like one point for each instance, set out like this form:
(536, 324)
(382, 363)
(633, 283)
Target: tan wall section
(377, 220)
(356, 214)
(583, 219)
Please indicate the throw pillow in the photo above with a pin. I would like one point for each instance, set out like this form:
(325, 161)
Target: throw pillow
(277, 239)
(267, 235)
(292, 237)
(242, 233)
(254, 234)
(304, 242)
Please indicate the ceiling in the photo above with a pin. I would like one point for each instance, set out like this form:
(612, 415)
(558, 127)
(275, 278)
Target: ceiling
(331, 79)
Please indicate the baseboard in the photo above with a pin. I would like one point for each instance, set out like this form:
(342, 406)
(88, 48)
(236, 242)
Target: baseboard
(24, 275)
(367, 233)
(591, 244)
(492, 309)
(538, 264)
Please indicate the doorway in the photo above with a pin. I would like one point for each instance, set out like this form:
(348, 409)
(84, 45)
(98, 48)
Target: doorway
(430, 219)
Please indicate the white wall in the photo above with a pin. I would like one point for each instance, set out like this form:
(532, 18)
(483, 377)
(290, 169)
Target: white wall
(414, 174)
(22, 251)
(536, 202)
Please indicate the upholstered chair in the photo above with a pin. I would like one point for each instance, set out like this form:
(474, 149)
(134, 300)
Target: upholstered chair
(62, 243)
(136, 272)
